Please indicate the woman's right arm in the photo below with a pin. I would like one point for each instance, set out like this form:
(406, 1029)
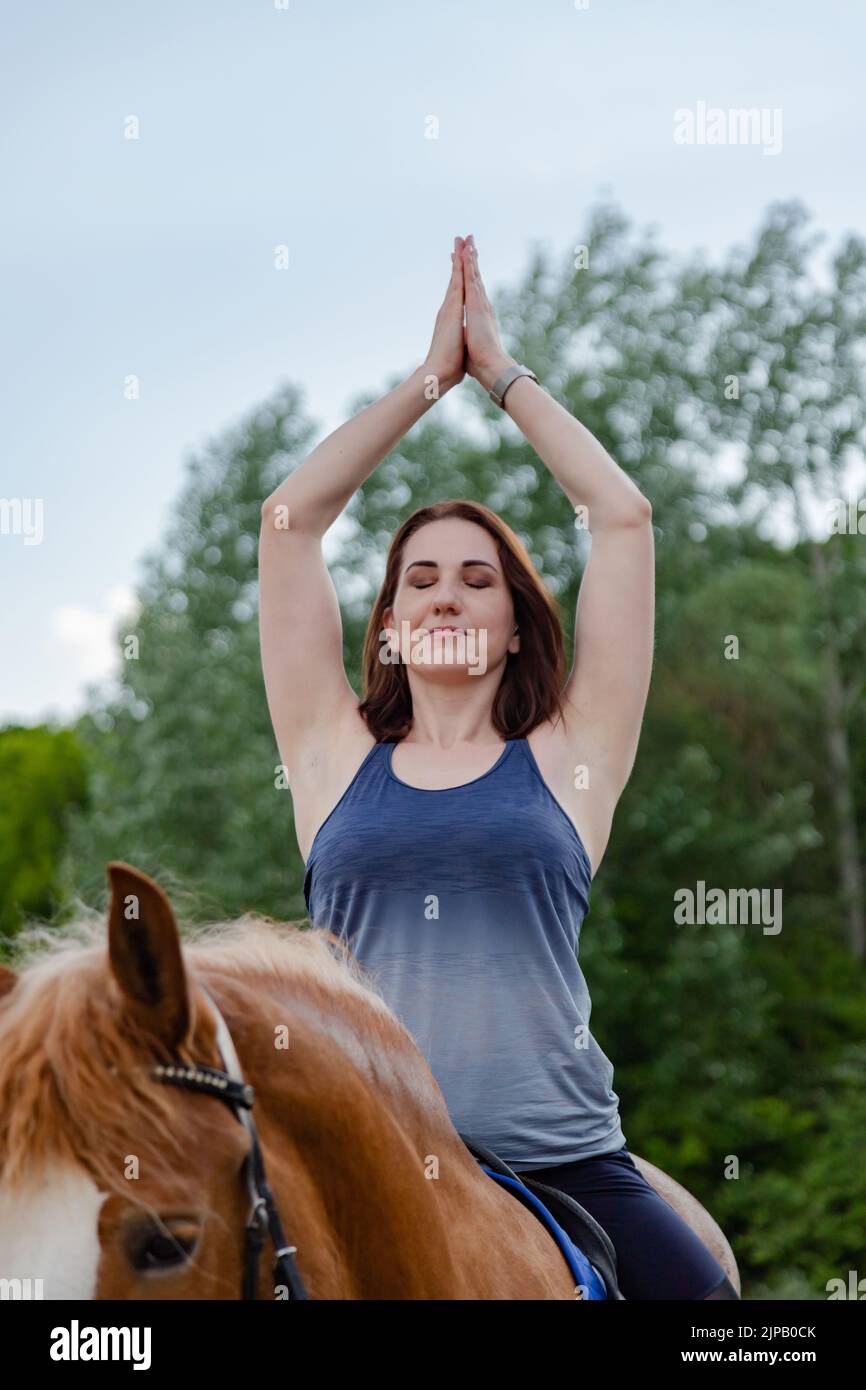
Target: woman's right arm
(301, 632)
(300, 628)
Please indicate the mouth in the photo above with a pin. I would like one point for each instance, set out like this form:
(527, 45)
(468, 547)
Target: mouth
(446, 629)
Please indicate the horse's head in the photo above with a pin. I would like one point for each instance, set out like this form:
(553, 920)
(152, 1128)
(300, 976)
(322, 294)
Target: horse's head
(111, 1185)
(116, 1183)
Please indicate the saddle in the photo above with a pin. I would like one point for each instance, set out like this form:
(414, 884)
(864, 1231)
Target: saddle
(585, 1244)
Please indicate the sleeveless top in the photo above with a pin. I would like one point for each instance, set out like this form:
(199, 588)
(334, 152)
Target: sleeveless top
(466, 903)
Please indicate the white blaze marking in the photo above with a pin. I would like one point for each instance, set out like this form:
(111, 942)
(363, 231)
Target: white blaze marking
(49, 1231)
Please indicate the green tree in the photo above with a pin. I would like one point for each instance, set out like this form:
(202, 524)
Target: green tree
(42, 775)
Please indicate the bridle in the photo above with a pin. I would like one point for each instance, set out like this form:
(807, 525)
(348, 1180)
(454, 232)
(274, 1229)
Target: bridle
(229, 1085)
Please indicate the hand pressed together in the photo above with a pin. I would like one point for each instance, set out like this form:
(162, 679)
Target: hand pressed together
(473, 346)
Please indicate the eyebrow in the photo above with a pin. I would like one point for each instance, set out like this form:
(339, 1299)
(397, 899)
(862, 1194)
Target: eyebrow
(434, 564)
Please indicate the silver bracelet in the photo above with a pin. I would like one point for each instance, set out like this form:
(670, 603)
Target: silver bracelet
(502, 383)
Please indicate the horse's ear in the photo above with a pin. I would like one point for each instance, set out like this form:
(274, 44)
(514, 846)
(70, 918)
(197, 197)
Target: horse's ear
(145, 955)
(8, 980)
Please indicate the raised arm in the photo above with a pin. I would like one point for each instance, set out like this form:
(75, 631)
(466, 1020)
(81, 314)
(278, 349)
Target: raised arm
(613, 649)
(300, 627)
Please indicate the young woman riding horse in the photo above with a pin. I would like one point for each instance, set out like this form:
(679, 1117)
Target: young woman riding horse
(452, 820)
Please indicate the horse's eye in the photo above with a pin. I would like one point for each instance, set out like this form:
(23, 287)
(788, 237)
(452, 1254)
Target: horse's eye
(161, 1249)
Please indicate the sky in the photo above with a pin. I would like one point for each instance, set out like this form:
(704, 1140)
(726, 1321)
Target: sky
(154, 156)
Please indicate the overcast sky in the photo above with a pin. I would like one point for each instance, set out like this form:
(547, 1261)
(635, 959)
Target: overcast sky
(306, 125)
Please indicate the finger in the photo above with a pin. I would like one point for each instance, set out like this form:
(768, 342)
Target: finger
(457, 273)
(475, 274)
(470, 272)
(473, 250)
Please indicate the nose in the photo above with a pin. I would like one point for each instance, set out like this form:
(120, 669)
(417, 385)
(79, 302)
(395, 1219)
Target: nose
(447, 598)
(446, 604)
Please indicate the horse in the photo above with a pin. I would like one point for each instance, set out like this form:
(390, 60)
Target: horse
(121, 1178)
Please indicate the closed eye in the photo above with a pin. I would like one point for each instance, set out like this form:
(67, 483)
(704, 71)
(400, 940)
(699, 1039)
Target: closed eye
(468, 581)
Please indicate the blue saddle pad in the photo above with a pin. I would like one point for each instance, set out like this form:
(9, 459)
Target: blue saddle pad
(585, 1273)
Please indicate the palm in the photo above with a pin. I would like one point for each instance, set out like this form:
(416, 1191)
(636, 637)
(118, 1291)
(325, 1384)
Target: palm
(483, 346)
(446, 358)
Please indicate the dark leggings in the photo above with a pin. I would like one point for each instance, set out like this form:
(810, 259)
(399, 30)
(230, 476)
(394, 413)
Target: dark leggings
(658, 1254)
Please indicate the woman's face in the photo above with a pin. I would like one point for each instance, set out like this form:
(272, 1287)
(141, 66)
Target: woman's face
(451, 576)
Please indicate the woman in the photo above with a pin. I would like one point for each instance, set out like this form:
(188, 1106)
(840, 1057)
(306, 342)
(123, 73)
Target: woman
(452, 821)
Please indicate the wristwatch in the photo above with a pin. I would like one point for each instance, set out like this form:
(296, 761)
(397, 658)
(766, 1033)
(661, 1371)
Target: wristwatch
(502, 383)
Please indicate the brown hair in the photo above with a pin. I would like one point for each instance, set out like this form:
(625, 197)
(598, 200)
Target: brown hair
(531, 686)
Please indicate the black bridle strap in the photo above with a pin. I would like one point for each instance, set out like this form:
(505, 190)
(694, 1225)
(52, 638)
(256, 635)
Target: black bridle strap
(263, 1218)
(285, 1270)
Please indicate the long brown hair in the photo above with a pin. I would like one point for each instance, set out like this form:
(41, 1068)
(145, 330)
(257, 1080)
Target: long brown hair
(531, 686)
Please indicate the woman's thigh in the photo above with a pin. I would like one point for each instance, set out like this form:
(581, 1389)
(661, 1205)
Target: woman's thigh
(658, 1254)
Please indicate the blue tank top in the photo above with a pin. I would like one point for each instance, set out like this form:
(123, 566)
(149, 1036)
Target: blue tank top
(466, 903)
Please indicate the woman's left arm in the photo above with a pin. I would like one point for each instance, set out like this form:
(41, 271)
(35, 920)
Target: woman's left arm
(608, 684)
